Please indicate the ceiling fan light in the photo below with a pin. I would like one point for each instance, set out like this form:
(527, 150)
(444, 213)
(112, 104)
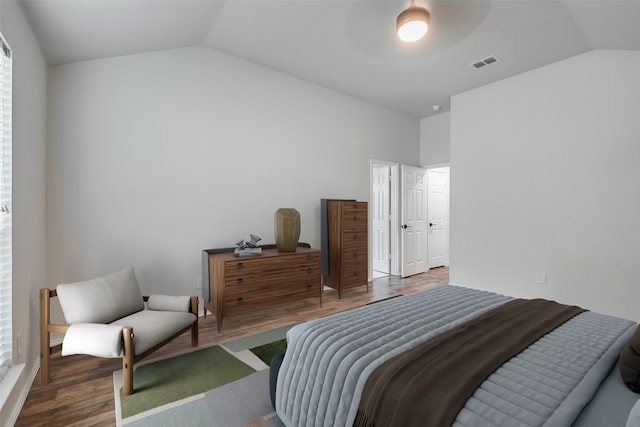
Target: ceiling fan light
(413, 23)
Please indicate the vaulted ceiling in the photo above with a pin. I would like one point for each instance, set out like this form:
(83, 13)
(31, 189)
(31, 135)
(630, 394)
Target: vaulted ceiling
(346, 45)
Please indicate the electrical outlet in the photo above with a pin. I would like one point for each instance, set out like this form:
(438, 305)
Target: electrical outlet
(541, 278)
(198, 282)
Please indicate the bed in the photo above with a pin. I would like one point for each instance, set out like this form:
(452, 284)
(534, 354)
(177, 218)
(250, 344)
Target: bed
(567, 376)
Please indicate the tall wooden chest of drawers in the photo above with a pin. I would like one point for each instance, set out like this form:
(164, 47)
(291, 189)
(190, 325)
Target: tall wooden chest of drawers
(347, 223)
(244, 284)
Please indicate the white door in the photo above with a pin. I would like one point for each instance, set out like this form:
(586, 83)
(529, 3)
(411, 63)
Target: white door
(381, 219)
(414, 222)
(438, 214)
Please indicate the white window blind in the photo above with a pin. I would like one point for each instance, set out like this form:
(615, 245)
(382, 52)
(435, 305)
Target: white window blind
(5, 208)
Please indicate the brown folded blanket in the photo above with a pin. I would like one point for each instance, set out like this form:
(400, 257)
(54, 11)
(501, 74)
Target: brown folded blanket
(429, 384)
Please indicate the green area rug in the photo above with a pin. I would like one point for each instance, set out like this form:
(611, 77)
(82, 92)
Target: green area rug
(225, 385)
(267, 351)
(173, 379)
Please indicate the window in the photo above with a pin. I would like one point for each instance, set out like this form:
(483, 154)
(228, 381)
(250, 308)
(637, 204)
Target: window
(5, 208)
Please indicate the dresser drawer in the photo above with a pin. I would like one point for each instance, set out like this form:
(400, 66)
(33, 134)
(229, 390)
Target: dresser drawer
(268, 265)
(354, 252)
(249, 277)
(354, 276)
(355, 221)
(276, 281)
(354, 239)
(249, 300)
(349, 207)
(355, 268)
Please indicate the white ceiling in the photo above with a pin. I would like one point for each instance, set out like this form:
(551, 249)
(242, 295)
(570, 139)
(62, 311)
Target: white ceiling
(346, 45)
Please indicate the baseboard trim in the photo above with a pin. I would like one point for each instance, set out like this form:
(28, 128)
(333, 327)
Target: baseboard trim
(31, 376)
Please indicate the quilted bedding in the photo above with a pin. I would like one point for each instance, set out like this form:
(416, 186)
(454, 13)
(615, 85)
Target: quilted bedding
(328, 361)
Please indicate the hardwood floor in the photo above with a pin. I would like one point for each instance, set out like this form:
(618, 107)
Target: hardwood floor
(81, 389)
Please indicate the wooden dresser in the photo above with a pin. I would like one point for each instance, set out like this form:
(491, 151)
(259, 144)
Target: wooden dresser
(347, 223)
(243, 284)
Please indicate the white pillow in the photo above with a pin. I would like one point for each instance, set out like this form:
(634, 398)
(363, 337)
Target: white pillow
(101, 300)
(94, 339)
(169, 303)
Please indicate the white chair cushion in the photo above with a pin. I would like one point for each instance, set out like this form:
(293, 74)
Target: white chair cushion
(94, 339)
(151, 327)
(169, 303)
(101, 300)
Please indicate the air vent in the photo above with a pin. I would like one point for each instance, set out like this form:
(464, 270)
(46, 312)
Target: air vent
(486, 61)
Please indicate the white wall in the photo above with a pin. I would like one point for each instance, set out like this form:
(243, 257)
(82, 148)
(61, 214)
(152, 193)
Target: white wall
(29, 130)
(545, 178)
(154, 157)
(435, 139)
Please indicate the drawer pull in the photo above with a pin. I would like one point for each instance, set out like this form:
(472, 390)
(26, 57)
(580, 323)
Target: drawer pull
(355, 254)
(355, 237)
(309, 257)
(355, 206)
(309, 270)
(240, 301)
(240, 265)
(309, 286)
(355, 273)
(355, 218)
(240, 280)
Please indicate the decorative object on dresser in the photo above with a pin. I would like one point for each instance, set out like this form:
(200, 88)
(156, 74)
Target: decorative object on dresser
(232, 286)
(249, 248)
(346, 245)
(287, 229)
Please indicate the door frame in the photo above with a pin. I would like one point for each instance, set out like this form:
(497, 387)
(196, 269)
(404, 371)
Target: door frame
(394, 232)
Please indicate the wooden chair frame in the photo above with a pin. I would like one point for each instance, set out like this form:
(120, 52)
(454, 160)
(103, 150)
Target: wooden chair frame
(128, 358)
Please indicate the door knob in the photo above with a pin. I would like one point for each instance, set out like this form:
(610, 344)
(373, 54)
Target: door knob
(431, 224)
(405, 226)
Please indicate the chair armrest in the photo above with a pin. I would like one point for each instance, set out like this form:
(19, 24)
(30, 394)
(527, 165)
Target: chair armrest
(58, 329)
(94, 339)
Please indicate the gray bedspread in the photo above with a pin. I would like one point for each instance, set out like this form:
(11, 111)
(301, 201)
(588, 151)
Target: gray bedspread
(328, 361)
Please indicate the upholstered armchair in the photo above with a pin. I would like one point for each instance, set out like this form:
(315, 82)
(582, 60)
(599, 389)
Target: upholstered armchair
(107, 317)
